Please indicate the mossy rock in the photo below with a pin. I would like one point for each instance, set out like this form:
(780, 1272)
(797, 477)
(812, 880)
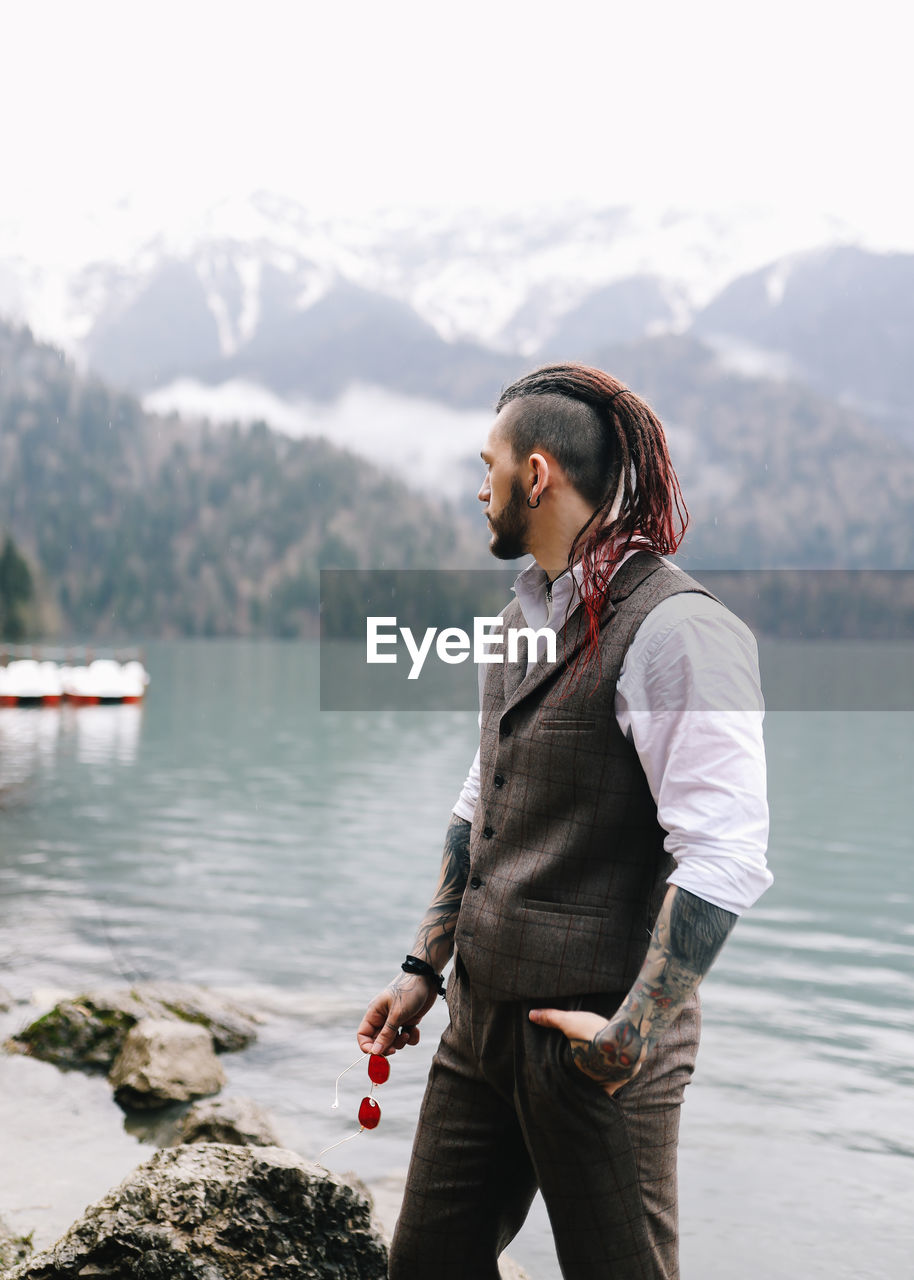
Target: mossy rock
(88, 1031)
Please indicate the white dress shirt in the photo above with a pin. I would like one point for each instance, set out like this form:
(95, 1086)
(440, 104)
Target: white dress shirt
(688, 697)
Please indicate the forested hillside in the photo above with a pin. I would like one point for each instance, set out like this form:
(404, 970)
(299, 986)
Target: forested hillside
(137, 526)
(134, 526)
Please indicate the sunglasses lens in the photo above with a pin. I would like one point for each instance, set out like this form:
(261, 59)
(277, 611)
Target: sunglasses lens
(378, 1069)
(369, 1114)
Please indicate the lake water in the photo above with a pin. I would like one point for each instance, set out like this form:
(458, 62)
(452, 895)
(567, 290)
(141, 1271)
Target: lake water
(231, 833)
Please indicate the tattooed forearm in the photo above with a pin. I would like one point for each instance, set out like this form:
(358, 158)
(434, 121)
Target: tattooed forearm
(687, 937)
(697, 931)
(435, 938)
(457, 849)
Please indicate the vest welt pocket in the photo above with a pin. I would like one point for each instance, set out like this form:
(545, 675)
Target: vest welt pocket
(570, 908)
(567, 724)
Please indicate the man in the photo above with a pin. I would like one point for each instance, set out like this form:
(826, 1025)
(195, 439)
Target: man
(612, 828)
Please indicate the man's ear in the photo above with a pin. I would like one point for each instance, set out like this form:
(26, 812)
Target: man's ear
(539, 471)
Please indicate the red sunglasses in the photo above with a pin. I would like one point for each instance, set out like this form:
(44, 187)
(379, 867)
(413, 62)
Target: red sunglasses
(369, 1111)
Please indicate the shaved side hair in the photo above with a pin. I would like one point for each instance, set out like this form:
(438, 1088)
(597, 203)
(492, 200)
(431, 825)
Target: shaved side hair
(573, 432)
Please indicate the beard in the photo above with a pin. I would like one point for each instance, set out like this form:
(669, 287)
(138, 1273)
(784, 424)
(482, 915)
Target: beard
(510, 526)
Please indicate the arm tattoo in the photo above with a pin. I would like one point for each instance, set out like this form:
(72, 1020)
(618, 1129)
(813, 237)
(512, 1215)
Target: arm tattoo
(687, 937)
(435, 939)
(697, 931)
(610, 1061)
(457, 847)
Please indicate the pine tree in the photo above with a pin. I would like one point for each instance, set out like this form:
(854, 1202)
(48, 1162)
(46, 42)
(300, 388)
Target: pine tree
(16, 591)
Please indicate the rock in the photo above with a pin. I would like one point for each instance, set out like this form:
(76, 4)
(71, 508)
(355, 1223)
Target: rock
(239, 1121)
(88, 1032)
(165, 1264)
(13, 1248)
(231, 1027)
(218, 1212)
(164, 1061)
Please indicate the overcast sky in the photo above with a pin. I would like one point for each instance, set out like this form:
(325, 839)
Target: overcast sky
(349, 105)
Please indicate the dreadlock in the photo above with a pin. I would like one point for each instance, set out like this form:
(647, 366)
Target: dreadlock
(613, 449)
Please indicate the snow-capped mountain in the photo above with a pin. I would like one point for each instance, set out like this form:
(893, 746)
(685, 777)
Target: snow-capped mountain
(840, 319)
(259, 307)
(502, 281)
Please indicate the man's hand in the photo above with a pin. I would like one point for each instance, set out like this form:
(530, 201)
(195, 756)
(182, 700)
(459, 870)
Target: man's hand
(687, 936)
(611, 1053)
(390, 1020)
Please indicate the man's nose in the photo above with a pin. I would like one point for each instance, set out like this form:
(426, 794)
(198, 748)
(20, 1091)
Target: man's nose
(485, 491)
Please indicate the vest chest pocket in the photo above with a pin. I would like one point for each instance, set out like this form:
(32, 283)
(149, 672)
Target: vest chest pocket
(571, 910)
(566, 724)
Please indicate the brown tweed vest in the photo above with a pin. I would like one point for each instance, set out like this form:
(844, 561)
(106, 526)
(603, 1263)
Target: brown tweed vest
(567, 864)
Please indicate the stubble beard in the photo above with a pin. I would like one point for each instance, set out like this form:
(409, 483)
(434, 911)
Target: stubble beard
(510, 527)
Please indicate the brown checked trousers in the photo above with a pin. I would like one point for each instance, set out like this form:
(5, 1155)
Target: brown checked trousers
(506, 1112)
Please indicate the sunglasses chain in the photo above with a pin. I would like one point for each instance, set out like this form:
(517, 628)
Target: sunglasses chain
(369, 1111)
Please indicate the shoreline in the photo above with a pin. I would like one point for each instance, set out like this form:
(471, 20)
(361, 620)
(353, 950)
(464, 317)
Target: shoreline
(54, 1116)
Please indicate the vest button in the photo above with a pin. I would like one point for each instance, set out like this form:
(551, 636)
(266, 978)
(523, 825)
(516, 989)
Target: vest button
(476, 883)
(487, 833)
(506, 729)
(498, 780)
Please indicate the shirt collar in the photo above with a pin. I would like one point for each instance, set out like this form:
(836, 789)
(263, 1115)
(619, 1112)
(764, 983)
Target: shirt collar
(543, 607)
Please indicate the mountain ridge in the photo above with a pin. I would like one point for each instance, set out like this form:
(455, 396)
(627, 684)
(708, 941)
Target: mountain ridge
(448, 307)
(500, 280)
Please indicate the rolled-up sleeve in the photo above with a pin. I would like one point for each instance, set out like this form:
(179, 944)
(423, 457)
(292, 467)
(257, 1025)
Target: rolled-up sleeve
(689, 698)
(469, 793)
